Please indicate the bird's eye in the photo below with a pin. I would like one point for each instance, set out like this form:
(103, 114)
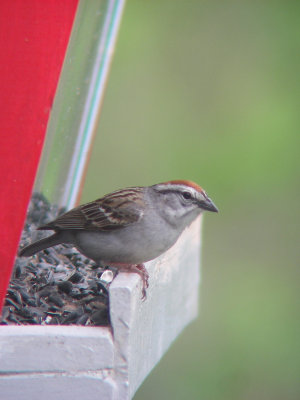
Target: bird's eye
(187, 195)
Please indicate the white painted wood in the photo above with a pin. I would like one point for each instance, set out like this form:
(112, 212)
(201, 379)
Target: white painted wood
(143, 331)
(97, 363)
(57, 386)
(34, 348)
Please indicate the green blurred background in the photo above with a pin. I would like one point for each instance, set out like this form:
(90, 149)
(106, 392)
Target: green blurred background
(209, 91)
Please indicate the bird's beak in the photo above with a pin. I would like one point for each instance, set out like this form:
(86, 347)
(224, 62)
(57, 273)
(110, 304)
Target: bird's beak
(208, 205)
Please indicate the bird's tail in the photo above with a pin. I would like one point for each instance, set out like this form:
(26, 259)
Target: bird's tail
(41, 245)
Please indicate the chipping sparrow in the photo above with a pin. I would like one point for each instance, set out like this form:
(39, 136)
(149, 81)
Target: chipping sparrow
(129, 226)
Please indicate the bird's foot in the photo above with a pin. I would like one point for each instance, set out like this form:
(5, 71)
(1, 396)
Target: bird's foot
(141, 271)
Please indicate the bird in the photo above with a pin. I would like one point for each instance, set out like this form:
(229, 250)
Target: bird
(128, 227)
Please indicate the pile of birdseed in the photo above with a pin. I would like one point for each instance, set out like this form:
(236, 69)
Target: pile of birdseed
(57, 286)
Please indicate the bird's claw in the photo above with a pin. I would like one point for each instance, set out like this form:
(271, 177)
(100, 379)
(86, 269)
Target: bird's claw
(141, 270)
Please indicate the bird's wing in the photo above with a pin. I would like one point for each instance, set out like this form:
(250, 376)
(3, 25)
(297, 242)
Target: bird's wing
(113, 211)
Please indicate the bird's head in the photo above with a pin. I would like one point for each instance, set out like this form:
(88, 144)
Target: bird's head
(182, 201)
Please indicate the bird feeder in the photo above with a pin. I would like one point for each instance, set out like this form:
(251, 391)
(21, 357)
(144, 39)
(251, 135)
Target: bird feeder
(55, 61)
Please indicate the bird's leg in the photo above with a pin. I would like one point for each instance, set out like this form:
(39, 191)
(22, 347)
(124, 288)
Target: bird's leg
(138, 269)
(141, 270)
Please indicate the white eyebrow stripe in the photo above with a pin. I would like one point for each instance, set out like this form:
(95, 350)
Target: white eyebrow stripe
(176, 188)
